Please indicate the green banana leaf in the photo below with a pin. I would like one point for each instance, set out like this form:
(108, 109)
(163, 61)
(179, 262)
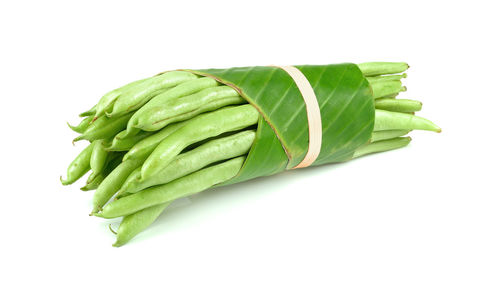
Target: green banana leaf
(346, 105)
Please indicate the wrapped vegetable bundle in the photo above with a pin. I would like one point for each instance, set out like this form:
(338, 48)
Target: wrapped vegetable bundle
(181, 132)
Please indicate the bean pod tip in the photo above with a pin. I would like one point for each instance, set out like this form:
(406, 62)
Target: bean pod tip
(64, 182)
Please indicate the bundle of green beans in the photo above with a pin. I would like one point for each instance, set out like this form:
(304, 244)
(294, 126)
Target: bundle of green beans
(178, 133)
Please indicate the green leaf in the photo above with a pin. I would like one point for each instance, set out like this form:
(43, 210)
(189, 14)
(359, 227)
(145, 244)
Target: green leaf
(346, 106)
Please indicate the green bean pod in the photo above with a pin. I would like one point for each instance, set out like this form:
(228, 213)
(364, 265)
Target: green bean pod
(211, 152)
(187, 88)
(388, 120)
(79, 166)
(182, 187)
(137, 222)
(91, 177)
(135, 97)
(112, 161)
(211, 106)
(182, 89)
(162, 115)
(398, 105)
(386, 88)
(388, 134)
(197, 129)
(93, 182)
(90, 112)
(163, 99)
(145, 147)
(112, 183)
(121, 143)
(106, 102)
(98, 157)
(374, 79)
(105, 128)
(380, 68)
(382, 146)
(82, 126)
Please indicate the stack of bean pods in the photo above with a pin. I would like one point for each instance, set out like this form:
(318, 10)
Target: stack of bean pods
(176, 134)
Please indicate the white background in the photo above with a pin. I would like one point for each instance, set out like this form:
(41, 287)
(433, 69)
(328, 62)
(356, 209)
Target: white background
(426, 216)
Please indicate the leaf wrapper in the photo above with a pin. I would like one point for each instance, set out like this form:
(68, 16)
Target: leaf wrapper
(346, 105)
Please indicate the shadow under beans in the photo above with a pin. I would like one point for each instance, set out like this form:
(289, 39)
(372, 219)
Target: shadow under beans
(188, 212)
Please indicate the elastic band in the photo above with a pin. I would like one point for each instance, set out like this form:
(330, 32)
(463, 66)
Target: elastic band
(313, 115)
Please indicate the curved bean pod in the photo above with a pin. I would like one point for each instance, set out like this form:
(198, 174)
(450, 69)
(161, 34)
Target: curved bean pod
(112, 183)
(387, 134)
(211, 152)
(130, 131)
(161, 100)
(145, 147)
(198, 155)
(388, 120)
(211, 106)
(106, 102)
(374, 79)
(121, 143)
(104, 128)
(182, 187)
(93, 183)
(79, 166)
(161, 115)
(90, 112)
(136, 96)
(380, 68)
(91, 177)
(135, 223)
(382, 146)
(398, 105)
(386, 88)
(98, 157)
(199, 128)
(82, 126)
